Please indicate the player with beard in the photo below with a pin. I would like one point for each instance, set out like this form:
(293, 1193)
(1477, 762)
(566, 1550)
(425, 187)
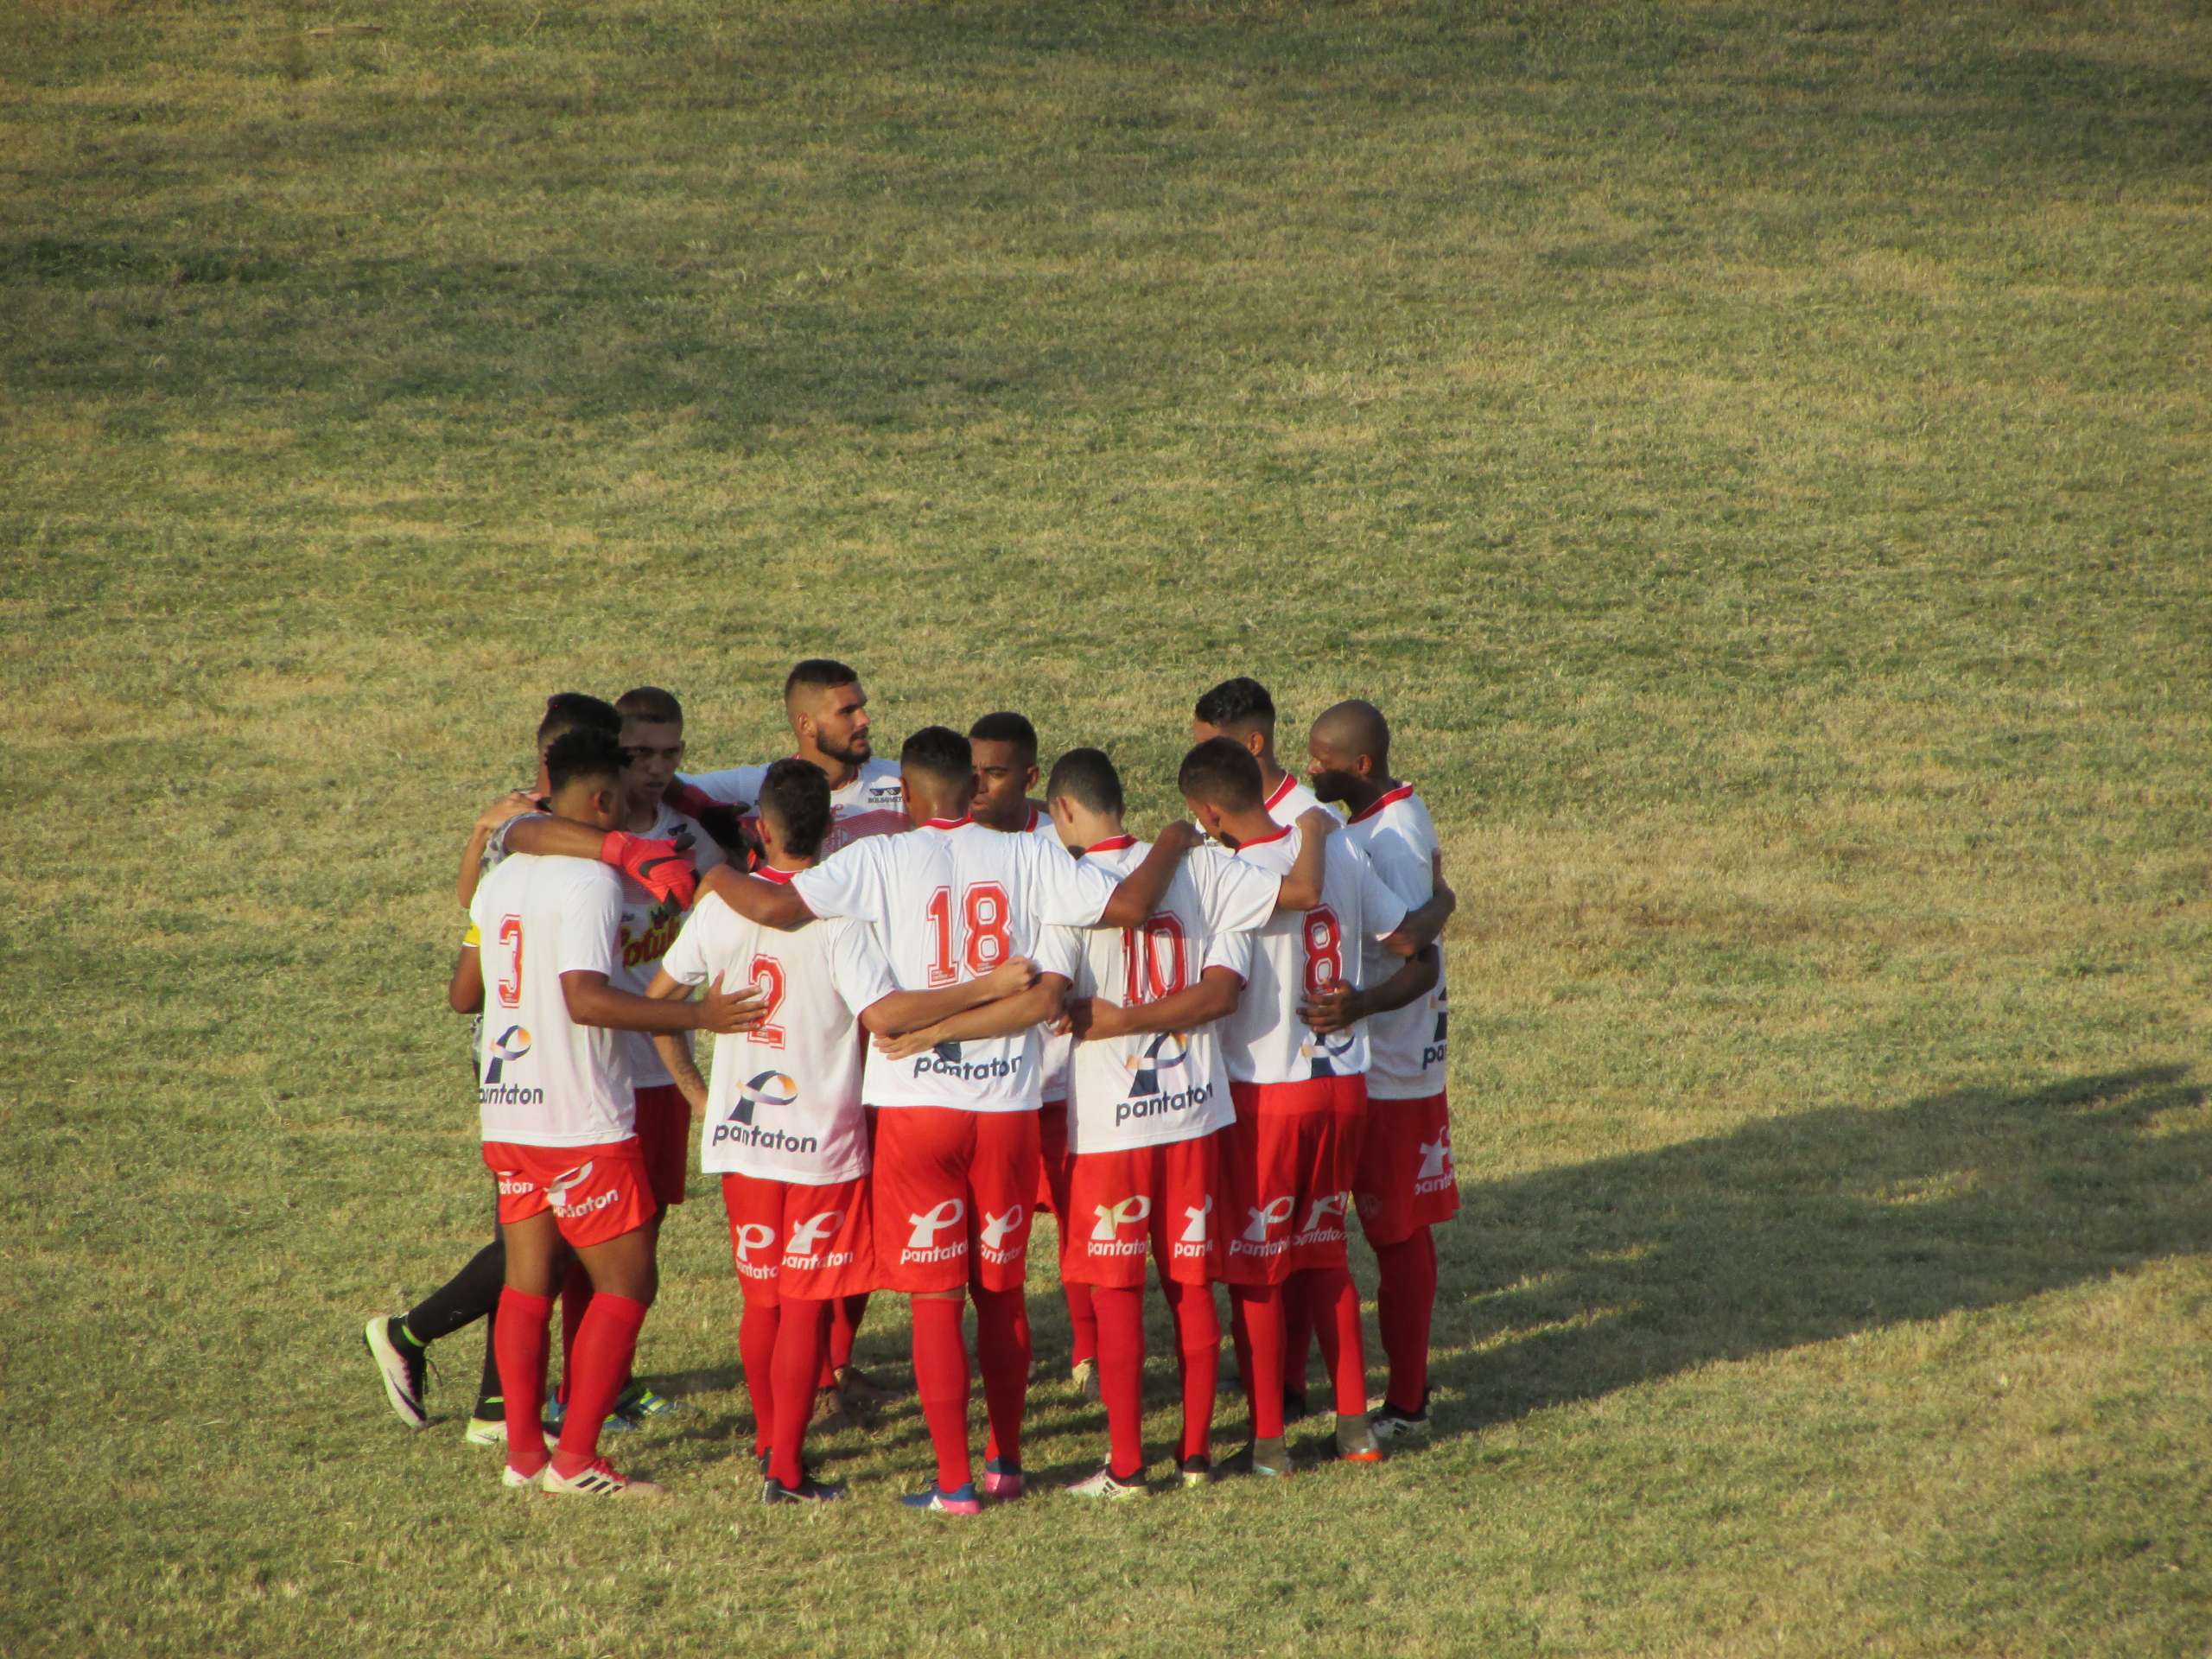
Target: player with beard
(1005, 747)
(1288, 1162)
(1405, 1183)
(956, 1165)
(1242, 711)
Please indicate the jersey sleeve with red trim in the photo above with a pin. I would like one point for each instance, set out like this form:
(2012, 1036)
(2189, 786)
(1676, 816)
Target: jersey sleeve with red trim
(705, 937)
(857, 966)
(853, 882)
(1232, 951)
(1059, 950)
(1238, 896)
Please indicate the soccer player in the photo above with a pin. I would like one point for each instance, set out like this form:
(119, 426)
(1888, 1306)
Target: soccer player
(1288, 1162)
(558, 1115)
(782, 1118)
(1405, 1183)
(956, 1164)
(399, 1346)
(1242, 711)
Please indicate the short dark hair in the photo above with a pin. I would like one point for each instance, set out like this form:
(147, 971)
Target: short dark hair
(1240, 705)
(818, 670)
(577, 711)
(1222, 773)
(1087, 778)
(1008, 728)
(583, 753)
(651, 704)
(940, 752)
(796, 794)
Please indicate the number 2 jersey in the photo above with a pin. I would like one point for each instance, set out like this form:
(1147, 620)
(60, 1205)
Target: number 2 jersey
(1297, 955)
(784, 1099)
(543, 1079)
(1157, 1087)
(949, 902)
(1406, 1061)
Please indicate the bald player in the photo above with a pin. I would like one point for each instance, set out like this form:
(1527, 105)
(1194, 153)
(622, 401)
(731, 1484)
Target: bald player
(1405, 1182)
(1242, 711)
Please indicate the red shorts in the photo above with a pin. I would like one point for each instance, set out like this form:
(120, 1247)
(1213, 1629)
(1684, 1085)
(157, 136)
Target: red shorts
(1156, 1201)
(1286, 1169)
(1406, 1177)
(953, 1189)
(798, 1243)
(664, 1139)
(1052, 1152)
(595, 1193)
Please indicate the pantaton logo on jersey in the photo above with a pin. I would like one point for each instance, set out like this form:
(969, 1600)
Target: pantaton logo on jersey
(1325, 1220)
(944, 1061)
(997, 1229)
(1324, 1051)
(1433, 1054)
(1105, 1236)
(663, 926)
(508, 1046)
(1169, 1052)
(1435, 1172)
(767, 1089)
(921, 1243)
(1275, 1213)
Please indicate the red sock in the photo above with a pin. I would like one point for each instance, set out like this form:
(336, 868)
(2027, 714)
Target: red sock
(1082, 1321)
(576, 1298)
(1121, 1374)
(941, 1384)
(604, 1346)
(1405, 1305)
(844, 1325)
(1335, 1305)
(1002, 1355)
(802, 1340)
(1256, 1320)
(756, 1351)
(1197, 1343)
(520, 1338)
(1296, 1332)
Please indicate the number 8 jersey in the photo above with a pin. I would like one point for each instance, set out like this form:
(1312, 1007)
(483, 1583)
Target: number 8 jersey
(1301, 954)
(949, 902)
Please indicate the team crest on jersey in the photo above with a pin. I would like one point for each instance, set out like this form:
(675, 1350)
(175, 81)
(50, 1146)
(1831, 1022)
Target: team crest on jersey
(1324, 1051)
(510, 1044)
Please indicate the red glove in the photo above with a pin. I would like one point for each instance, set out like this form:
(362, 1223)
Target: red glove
(657, 866)
(689, 799)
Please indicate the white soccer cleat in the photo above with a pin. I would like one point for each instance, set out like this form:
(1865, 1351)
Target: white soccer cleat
(602, 1480)
(1104, 1484)
(402, 1372)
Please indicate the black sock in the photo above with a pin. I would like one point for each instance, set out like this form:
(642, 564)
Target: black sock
(489, 1398)
(467, 1297)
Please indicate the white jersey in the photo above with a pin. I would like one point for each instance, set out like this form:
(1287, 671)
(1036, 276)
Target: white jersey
(784, 1099)
(1406, 1058)
(872, 802)
(545, 1080)
(1060, 1051)
(649, 927)
(1297, 954)
(1290, 800)
(951, 902)
(1157, 1087)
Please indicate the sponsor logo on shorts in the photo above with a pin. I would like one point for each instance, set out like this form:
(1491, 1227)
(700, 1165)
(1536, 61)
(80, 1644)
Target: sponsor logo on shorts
(1194, 1223)
(509, 1045)
(748, 1237)
(1325, 1220)
(921, 1243)
(558, 1188)
(1105, 1236)
(512, 1184)
(1324, 1053)
(1434, 1054)
(995, 1231)
(1275, 1213)
(768, 1089)
(944, 1061)
(1435, 1172)
(804, 1250)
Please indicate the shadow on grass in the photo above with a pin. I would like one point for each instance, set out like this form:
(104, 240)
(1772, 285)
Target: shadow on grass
(1576, 1282)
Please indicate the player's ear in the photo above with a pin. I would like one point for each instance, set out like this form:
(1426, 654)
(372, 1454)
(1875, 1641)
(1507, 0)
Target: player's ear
(1256, 741)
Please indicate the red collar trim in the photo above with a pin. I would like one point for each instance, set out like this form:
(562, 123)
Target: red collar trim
(1289, 782)
(1030, 828)
(769, 873)
(945, 823)
(1281, 830)
(1111, 844)
(1380, 801)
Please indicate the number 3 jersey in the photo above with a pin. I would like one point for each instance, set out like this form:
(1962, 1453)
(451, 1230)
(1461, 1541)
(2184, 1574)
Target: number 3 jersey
(1157, 1087)
(949, 902)
(1298, 955)
(784, 1099)
(543, 1079)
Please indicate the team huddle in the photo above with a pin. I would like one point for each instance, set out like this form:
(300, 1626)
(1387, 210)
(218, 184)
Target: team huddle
(944, 999)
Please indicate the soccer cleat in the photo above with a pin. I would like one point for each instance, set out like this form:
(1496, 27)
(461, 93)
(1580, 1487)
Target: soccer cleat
(1267, 1458)
(1085, 1378)
(1294, 1407)
(1107, 1485)
(1389, 1423)
(511, 1476)
(1196, 1472)
(960, 1500)
(1356, 1441)
(600, 1480)
(485, 1431)
(400, 1363)
(556, 1413)
(1002, 1479)
(809, 1491)
(637, 1403)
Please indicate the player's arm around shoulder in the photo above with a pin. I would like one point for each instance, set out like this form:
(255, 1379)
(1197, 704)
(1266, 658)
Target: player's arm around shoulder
(769, 904)
(1141, 891)
(1420, 926)
(1040, 1003)
(903, 1011)
(1301, 888)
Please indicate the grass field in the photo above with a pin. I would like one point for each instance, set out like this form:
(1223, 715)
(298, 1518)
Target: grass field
(1757, 455)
